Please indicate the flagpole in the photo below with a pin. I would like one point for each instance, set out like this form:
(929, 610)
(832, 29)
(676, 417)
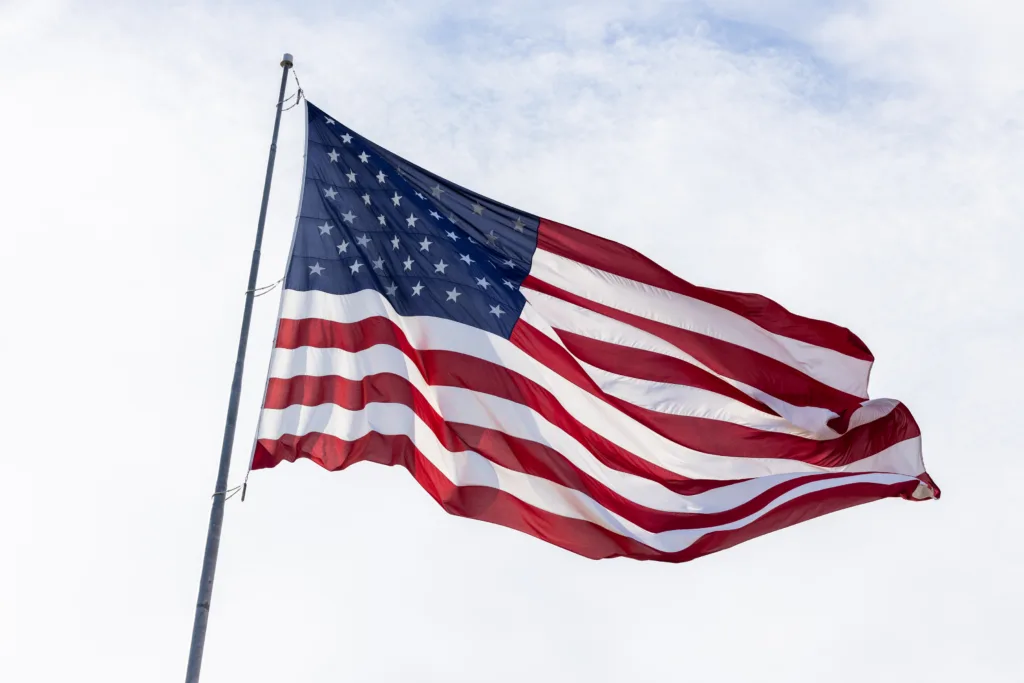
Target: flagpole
(195, 653)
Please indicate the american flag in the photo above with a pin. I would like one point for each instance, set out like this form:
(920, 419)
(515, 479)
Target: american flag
(539, 377)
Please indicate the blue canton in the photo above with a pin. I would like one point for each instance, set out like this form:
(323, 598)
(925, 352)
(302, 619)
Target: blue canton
(369, 219)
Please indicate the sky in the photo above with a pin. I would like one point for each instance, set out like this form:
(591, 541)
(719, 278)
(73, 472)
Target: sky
(857, 161)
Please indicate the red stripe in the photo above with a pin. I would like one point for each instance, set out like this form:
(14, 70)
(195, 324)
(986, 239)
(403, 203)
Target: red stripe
(581, 537)
(612, 257)
(447, 368)
(724, 358)
(327, 334)
(516, 454)
(706, 435)
(652, 366)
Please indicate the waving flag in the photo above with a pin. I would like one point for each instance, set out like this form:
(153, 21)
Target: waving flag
(539, 377)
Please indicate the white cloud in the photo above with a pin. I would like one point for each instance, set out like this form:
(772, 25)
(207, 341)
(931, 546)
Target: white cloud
(857, 162)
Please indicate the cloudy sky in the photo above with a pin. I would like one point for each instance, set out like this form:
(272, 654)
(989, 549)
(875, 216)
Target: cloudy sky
(858, 161)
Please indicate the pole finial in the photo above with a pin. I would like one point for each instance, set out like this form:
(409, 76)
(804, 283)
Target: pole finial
(286, 61)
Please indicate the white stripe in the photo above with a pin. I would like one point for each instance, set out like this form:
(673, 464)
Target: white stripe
(435, 333)
(678, 399)
(426, 332)
(817, 419)
(587, 323)
(468, 468)
(825, 365)
(460, 405)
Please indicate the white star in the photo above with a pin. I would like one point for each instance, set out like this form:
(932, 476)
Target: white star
(451, 219)
(411, 221)
(440, 266)
(326, 228)
(397, 199)
(407, 263)
(496, 311)
(425, 244)
(355, 267)
(392, 290)
(330, 193)
(343, 247)
(477, 209)
(349, 217)
(381, 177)
(492, 238)
(330, 121)
(435, 215)
(420, 195)
(416, 289)
(509, 264)
(519, 225)
(436, 190)
(482, 282)
(466, 258)
(508, 284)
(316, 269)
(382, 220)
(347, 139)
(363, 241)
(452, 236)
(453, 295)
(351, 175)
(395, 244)
(379, 263)
(364, 157)
(333, 154)
(366, 199)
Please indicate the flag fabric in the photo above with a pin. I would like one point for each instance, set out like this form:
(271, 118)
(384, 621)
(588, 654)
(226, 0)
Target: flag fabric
(540, 377)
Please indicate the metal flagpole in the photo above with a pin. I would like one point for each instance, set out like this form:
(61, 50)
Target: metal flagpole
(195, 653)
